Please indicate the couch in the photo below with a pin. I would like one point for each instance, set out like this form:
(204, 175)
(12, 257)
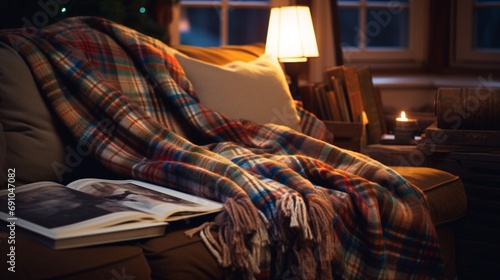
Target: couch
(35, 142)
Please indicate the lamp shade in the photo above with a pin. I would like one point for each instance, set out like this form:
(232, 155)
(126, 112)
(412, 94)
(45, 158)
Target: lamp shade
(290, 35)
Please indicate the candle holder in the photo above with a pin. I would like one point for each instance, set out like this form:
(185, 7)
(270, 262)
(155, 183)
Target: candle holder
(405, 129)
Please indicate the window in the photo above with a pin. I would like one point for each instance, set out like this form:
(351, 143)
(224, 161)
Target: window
(383, 31)
(478, 33)
(224, 22)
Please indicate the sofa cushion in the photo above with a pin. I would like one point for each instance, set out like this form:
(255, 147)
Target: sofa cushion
(36, 261)
(37, 144)
(240, 89)
(176, 256)
(445, 192)
(225, 54)
(29, 129)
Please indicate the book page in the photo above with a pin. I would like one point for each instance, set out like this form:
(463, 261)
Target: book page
(49, 207)
(147, 197)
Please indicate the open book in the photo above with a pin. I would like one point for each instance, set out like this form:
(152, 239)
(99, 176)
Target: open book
(94, 211)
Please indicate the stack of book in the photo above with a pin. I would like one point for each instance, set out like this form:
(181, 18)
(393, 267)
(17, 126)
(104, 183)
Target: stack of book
(347, 101)
(467, 120)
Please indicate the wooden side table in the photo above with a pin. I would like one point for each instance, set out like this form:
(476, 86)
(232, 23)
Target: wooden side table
(478, 233)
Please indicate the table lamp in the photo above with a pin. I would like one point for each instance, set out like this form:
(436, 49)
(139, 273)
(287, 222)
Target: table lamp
(291, 39)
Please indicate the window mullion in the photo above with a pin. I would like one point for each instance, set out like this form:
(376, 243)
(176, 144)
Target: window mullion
(362, 24)
(224, 22)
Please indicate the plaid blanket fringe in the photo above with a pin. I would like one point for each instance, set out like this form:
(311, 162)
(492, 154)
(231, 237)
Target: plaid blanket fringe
(294, 206)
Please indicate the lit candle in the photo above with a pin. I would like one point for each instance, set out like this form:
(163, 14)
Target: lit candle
(403, 117)
(405, 128)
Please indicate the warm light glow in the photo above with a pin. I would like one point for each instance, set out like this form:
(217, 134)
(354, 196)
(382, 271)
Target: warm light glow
(184, 25)
(403, 117)
(290, 35)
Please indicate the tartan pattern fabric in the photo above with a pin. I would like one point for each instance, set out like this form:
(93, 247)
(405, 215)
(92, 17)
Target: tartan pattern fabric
(294, 205)
(311, 125)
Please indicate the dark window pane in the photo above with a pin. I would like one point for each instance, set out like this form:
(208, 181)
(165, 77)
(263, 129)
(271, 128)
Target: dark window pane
(230, 1)
(487, 28)
(386, 29)
(392, 2)
(340, 1)
(349, 26)
(247, 26)
(200, 27)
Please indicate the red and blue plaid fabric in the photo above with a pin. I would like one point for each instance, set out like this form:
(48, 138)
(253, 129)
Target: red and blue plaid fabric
(294, 205)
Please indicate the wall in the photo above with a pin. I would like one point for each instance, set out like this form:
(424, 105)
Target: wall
(417, 92)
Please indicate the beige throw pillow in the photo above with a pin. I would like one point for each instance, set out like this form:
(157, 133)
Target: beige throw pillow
(256, 91)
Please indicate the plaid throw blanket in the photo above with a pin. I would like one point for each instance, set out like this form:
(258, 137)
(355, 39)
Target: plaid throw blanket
(294, 206)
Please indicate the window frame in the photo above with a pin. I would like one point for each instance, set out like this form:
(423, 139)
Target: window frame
(465, 55)
(414, 55)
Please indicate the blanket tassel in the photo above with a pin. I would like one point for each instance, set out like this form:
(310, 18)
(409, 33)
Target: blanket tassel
(293, 216)
(316, 240)
(227, 236)
(326, 242)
